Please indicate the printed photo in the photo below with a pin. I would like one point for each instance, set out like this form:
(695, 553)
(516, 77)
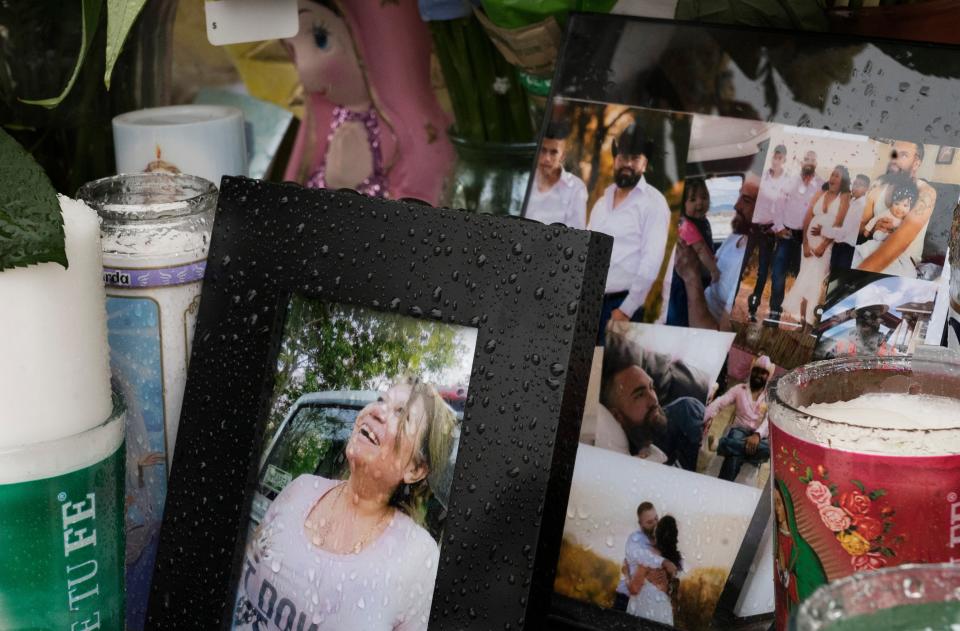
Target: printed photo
(812, 180)
(873, 314)
(653, 386)
(651, 541)
(354, 477)
(617, 170)
(831, 202)
(725, 159)
(905, 228)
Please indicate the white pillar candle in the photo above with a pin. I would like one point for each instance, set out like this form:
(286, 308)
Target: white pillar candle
(54, 361)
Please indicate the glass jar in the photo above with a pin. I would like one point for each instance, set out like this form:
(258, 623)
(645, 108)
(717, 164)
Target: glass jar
(904, 598)
(868, 478)
(489, 177)
(156, 232)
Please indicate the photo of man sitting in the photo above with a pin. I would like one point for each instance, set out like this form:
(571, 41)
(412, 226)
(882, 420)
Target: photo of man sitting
(746, 440)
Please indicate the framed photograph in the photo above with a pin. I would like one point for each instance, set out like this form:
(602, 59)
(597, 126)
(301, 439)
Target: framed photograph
(946, 154)
(381, 402)
(772, 115)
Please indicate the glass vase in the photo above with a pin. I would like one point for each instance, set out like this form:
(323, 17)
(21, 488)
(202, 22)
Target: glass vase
(39, 44)
(489, 177)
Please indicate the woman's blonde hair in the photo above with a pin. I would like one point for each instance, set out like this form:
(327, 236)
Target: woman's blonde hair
(433, 450)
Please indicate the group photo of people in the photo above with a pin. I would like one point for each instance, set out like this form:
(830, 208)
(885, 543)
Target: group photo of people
(616, 170)
(760, 270)
(830, 202)
(806, 188)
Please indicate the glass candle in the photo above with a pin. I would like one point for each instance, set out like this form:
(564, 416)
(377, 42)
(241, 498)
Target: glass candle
(866, 466)
(904, 598)
(156, 232)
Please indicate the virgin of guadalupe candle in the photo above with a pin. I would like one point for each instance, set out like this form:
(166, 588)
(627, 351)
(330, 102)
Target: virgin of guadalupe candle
(866, 467)
(61, 456)
(156, 231)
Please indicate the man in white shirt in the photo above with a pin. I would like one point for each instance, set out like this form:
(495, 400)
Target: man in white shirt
(846, 228)
(762, 236)
(637, 216)
(790, 213)
(557, 196)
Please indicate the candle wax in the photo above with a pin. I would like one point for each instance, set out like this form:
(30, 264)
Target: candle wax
(883, 423)
(892, 411)
(54, 360)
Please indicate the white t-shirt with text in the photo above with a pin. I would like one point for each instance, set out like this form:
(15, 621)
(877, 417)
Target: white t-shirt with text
(290, 583)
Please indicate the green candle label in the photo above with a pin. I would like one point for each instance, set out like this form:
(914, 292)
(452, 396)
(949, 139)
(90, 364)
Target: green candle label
(61, 550)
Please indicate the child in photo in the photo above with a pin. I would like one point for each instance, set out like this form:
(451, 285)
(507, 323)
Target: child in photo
(903, 195)
(695, 228)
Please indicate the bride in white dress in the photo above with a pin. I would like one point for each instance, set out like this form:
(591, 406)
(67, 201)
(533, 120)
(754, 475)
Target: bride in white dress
(807, 290)
(651, 603)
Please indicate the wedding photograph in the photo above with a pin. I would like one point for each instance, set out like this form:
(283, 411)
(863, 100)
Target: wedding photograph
(812, 181)
(831, 202)
(355, 470)
(617, 170)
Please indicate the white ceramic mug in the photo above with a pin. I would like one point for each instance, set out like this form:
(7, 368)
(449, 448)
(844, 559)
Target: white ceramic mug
(208, 141)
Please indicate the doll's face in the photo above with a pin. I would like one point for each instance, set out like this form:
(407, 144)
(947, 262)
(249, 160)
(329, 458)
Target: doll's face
(325, 58)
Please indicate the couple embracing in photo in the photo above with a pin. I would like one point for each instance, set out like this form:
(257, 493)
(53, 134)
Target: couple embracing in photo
(649, 585)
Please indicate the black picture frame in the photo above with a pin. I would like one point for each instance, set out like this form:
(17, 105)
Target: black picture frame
(946, 155)
(532, 291)
(880, 88)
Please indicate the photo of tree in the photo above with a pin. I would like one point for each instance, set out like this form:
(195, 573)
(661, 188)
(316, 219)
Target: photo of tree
(336, 347)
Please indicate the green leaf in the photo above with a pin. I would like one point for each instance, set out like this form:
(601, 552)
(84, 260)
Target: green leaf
(833, 489)
(859, 485)
(809, 473)
(31, 226)
(887, 552)
(121, 14)
(91, 17)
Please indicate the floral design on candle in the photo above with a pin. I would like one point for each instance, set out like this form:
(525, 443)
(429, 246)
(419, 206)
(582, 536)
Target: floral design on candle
(861, 522)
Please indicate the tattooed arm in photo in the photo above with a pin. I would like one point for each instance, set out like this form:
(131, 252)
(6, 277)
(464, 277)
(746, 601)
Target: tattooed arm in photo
(901, 238)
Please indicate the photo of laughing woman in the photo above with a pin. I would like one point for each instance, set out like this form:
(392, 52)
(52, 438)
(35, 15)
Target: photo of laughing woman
(353, 553)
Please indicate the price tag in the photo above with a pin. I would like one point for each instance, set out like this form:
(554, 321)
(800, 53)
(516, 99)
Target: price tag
(238, 21)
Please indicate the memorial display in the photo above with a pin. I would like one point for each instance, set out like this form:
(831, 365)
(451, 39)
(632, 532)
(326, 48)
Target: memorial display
(345, 315)
(381, 261)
